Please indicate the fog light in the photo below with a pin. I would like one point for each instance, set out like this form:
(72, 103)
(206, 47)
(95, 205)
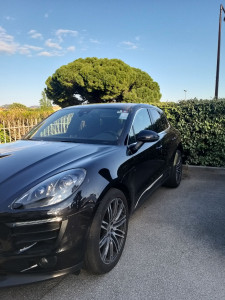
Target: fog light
(47, 262)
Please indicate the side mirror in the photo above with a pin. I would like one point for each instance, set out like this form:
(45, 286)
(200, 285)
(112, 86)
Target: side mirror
(147, 136)
(144, 136)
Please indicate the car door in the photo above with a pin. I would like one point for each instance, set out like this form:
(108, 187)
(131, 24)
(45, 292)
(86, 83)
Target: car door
(146, 164)
(161, 126)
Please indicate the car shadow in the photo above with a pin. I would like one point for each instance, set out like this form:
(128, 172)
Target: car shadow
(196, 209)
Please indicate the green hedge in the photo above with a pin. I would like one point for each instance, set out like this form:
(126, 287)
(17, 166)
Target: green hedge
(202, 127)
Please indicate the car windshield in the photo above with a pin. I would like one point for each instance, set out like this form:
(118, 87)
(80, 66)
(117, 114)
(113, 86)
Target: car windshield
(82, 125)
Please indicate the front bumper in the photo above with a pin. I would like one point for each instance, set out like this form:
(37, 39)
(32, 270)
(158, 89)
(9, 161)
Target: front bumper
(35, 250)
(14, 279)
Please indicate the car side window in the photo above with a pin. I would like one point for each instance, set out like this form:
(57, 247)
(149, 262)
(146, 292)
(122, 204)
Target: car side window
(159, 121)
(141, 122)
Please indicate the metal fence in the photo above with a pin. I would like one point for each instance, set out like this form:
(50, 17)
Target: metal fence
(15, 130)
(60, 126)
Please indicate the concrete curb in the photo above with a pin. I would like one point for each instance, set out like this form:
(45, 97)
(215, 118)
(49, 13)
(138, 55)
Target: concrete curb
(199, 170)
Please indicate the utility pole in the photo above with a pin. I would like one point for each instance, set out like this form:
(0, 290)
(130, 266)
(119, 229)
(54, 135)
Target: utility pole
(185, 92)
(218, 53)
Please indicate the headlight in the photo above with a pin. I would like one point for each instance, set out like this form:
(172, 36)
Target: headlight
(53, 190)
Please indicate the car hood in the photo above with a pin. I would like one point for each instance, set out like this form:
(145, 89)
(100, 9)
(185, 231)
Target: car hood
(25, 162)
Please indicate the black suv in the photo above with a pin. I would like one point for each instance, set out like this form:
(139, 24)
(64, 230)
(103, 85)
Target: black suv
(68, 187)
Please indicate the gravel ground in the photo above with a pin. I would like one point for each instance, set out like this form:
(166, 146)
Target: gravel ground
(175, 249)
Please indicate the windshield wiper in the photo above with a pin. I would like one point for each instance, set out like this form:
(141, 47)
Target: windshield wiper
(68, 141)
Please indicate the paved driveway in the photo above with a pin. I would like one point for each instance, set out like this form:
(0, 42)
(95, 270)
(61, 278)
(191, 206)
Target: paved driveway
(175, 249)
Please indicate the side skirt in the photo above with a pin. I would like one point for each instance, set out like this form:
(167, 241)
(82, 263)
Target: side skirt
(151, 186)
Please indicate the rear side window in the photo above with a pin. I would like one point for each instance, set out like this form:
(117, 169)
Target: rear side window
(159, 121)
(141, 122)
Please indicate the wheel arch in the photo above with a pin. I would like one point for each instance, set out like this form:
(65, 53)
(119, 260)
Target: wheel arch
(123, 188)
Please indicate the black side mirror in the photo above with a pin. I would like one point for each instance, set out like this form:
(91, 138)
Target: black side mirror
(147, 136)
(144, 136)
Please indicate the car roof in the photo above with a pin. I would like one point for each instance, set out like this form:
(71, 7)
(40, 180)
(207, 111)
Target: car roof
(114, 105)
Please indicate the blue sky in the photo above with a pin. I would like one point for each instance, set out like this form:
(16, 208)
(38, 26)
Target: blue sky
(175, 42)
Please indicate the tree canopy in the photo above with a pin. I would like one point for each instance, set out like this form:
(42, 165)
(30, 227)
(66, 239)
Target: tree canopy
(94, 80)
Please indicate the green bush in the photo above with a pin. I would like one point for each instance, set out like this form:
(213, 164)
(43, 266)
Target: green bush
(202, 127)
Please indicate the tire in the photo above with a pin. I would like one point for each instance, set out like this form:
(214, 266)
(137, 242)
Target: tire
(176, 171)
(107, 234)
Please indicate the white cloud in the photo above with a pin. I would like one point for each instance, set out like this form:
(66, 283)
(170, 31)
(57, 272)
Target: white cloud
(35, 48)
(71, 48)
(4, 36)
(50, 48)
(35, 35)
(51, 44)
(94, 41)
(7, 48)
(7, 44)
(46, 15)
(60, 33)
(27, 49)
(137, 38)
(24, 51)
(45, 53)
(51, 53)
(129, 45)
(66, 31)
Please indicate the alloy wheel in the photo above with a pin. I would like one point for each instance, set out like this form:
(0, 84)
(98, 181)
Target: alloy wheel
(178, 168)
(113, 231)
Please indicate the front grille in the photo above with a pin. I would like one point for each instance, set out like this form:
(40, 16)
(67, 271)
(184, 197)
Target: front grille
(32, 236)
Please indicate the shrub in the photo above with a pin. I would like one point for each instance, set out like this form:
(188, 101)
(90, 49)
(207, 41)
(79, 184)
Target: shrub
(202, 127)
